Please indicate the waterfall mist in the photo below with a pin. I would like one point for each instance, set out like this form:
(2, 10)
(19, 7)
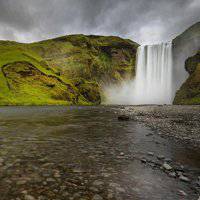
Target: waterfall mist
(153, 80)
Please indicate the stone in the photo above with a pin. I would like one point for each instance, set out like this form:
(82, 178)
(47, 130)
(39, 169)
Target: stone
(94, 189)
(168, 160)
(167, 166)
(97, 197)
(172, 174)
(149, 134)
(65, 194)
(29, 197)
(160, 157)
(182, 193)
(123, 118)
(150, 153)
(184, 178)
(50, 180)
(143, 160)
(21, 182)
(98, 183)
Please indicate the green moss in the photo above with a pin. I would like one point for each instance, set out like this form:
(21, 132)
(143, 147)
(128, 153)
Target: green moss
(46, 72)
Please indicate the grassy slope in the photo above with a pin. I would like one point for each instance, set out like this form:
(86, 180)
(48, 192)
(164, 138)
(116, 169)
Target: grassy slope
(65, 70)
(189, 92)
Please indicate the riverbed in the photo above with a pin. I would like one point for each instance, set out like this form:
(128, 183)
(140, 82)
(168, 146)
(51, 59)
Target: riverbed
(86, 153)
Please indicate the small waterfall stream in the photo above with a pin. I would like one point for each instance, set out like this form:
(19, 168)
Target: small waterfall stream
(153, 82)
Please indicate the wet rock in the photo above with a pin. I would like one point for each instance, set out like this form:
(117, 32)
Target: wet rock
(123, 118)
(57, 174)
(98, 183)
(42, 198)
(182, 193)
(1, 160)
(29, 197)
(94, 189)
(78, 170)
(110, 195)
(65, 194)
(97, 197)
(121, 154)
(168, 160)
(50, 180)
(150, 153)
(160, 157)
(21, 182)
(172, 174)
(117, 187)
(184, 178)
(143, 160)
(149, 134)
(167, 166)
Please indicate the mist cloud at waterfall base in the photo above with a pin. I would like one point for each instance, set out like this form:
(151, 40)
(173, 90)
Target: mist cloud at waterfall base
(121, 94)
(126, 94)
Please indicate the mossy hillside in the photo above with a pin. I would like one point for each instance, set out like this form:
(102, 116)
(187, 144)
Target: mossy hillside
(95, 58)
(189, 92)
(26, 79)
(47, 72)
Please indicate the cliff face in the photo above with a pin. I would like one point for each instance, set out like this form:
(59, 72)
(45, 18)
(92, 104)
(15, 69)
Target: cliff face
(189, 92)
(185, 74)
(66, 70)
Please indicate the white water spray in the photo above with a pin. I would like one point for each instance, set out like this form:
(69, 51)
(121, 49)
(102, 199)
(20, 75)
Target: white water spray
(153, 81)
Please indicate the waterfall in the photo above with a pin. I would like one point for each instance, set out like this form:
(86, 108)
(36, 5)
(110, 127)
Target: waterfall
(153, 82)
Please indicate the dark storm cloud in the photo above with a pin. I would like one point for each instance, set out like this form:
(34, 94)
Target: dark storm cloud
(140, 20)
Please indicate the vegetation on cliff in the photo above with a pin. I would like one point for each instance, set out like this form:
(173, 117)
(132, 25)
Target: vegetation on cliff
(66, 70)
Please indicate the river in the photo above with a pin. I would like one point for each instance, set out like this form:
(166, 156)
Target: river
(57, 152)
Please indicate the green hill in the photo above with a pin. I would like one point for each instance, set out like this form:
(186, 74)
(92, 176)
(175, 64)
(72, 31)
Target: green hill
(63, 71)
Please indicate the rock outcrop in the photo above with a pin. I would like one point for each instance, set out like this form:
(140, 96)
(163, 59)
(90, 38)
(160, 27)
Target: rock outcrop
(189, 92)
(186, 73)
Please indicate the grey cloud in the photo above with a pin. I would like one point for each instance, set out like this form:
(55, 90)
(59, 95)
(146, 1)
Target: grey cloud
(142, 21)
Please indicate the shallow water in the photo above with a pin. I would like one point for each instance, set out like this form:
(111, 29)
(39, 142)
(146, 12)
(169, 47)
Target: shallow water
(78, 152)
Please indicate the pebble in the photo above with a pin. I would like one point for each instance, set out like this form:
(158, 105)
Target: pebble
(167, 166)
(184, 178)
(150, 153)
(98, 183)
(168, 160)
(94, 189)
(182, 193)
(29, 197)
(123, 118)
(160, 157)
(97, 197)
(21, 182)
(143, 160)
(172, 174)
(50, 180)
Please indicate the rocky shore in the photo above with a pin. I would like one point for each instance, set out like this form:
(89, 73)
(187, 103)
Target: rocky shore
(178, 122)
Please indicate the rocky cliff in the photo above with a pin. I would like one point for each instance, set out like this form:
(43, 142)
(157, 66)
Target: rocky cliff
(67, 70)
(186, 73)
(189, 92)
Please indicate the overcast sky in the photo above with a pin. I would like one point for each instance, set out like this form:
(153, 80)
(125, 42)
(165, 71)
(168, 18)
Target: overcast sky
(143, 21)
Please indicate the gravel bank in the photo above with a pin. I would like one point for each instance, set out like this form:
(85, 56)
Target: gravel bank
(178, 122)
